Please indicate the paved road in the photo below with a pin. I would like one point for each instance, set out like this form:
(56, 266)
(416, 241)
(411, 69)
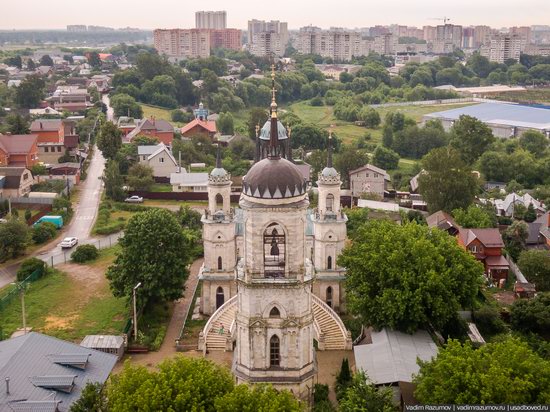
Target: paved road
(83, 218)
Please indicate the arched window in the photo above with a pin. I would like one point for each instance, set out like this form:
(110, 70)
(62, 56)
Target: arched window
(329, 296)
(220, 298)
(329, 262)
(274, 313)
(330, 202)
(274, 351)
(219, 263)
(274, 251)
(219, 202)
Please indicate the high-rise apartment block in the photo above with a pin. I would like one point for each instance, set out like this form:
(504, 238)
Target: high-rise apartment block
(449, 34)
(211, 20)
(337, 43)
(385, 44)
(267, 43)
(430, 33)
(273, 26)
(503, 47)
(482, 35)
(182, 43)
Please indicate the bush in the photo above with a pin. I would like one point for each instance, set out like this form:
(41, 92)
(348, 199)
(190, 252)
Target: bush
(316, 101)
(110, 228)
(488, 320)
(28, 266)
(28, 214)
(85, 253)
(43, 232)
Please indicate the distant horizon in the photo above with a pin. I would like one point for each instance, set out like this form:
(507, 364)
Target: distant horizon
(351, 14)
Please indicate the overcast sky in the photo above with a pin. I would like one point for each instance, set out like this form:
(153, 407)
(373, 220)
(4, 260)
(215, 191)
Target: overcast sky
(341, 13)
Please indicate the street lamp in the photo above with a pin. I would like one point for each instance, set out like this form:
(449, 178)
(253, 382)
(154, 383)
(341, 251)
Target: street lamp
(135, 310)
(21, 287)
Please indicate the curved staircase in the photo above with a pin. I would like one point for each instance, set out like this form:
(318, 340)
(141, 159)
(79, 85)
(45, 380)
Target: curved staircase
(334, 335)
(330, 330)
(210, 338)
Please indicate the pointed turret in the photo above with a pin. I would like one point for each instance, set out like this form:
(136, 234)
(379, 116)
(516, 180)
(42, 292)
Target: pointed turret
(219, 174)
(329, 173)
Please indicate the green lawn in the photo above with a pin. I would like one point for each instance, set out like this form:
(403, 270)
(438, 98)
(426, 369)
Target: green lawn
(70, 306)
(158, 113)
(161, 187)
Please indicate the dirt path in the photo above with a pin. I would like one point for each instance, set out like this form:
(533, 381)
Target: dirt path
(168, 347)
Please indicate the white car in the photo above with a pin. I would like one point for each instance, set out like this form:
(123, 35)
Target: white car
(68, 242)
(134, 199)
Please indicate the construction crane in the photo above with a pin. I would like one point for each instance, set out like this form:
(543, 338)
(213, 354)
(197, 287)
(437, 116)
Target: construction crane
(443, 19)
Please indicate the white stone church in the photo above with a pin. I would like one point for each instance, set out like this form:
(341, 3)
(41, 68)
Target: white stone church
(270, 280)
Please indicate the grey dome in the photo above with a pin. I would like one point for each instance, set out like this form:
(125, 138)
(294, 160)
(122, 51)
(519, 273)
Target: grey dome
(329, 172)
(265, 133)
(218, 172)
(274, 179)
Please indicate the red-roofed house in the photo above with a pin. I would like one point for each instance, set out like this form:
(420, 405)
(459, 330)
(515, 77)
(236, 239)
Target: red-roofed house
(199, 127)
(55, 137)
(18, 150)
(48, 130)
(486, 245)
(161, 129)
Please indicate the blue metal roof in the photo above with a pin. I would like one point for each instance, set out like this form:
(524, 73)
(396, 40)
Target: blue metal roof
(501, 113)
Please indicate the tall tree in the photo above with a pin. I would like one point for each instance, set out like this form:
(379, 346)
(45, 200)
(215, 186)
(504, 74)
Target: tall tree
(94, 60)
(140, 177)
(385, 158)
(258, 398)
(447, 182)
(14, 237)
(226, 124)
(109, 140)
(17, 124)
(514, 238)
(155, 251)
(531, 315)
(472, 137)
(125, 105)
(349, 158)
(407, 277)
(363, 395)
(475, 217)
(534, 142)
(113, 182)
(46, 60)
(535, 265)
(506, 372)
(30, 92)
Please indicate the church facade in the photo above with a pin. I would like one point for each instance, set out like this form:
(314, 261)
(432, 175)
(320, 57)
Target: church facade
(270, 280)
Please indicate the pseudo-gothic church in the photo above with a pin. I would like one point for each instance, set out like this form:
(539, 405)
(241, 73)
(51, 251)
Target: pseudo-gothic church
(270, 281)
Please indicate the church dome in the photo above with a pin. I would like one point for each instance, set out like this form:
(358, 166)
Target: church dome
(274, 178)
(265, 133)
(329, 172)
(218, 172)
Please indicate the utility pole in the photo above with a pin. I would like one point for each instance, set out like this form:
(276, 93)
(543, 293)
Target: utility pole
(21, 287)
(135, 311)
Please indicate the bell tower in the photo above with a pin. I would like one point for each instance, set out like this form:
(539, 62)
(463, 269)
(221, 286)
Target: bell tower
(329, 223)
(218, 221)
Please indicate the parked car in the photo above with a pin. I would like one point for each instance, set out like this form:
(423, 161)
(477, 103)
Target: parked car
(134, 199)
(68, 242)
(56, 220)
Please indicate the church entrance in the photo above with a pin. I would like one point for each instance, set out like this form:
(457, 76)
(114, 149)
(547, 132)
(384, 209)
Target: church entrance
(220, 298)
(274, 251)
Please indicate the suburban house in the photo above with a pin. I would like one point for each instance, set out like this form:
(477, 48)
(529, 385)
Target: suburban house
(55, 137)
(101, 82)
(443, 221)
(18, 150)
(70, 98)
(507, 206)
(200, 125)
(159, 158)
(43, 373)
(368, 179)
(189, 182)
(539, 231)
(391, 359)
(486, 245)
(152, 127)
(15, 181)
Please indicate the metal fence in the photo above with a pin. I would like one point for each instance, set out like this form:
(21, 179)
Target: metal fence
(65, 257)
(13, 293)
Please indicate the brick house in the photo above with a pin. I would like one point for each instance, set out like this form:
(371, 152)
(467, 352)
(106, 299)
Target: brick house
(18, 150)
(368, 179)
(48, 130)
(486, 245)
(152, 127)
(198, 127)
(55, 137)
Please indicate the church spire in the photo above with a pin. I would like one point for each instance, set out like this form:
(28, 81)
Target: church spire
(218, 158)
(329, 157)
(274, 135)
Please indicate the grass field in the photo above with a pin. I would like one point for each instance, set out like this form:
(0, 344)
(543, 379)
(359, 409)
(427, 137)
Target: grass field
(531, 96)
(70, 304)
(323, 116)
(159, 113)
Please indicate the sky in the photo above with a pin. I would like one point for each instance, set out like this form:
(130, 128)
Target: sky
(34, 14)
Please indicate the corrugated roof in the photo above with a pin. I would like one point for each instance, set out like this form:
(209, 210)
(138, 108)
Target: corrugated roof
(29, 357)
(210, 126)
(501, 113)
(35, 406)
(46, 125)
(391, 357)
(189, 179)
(102, 342)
